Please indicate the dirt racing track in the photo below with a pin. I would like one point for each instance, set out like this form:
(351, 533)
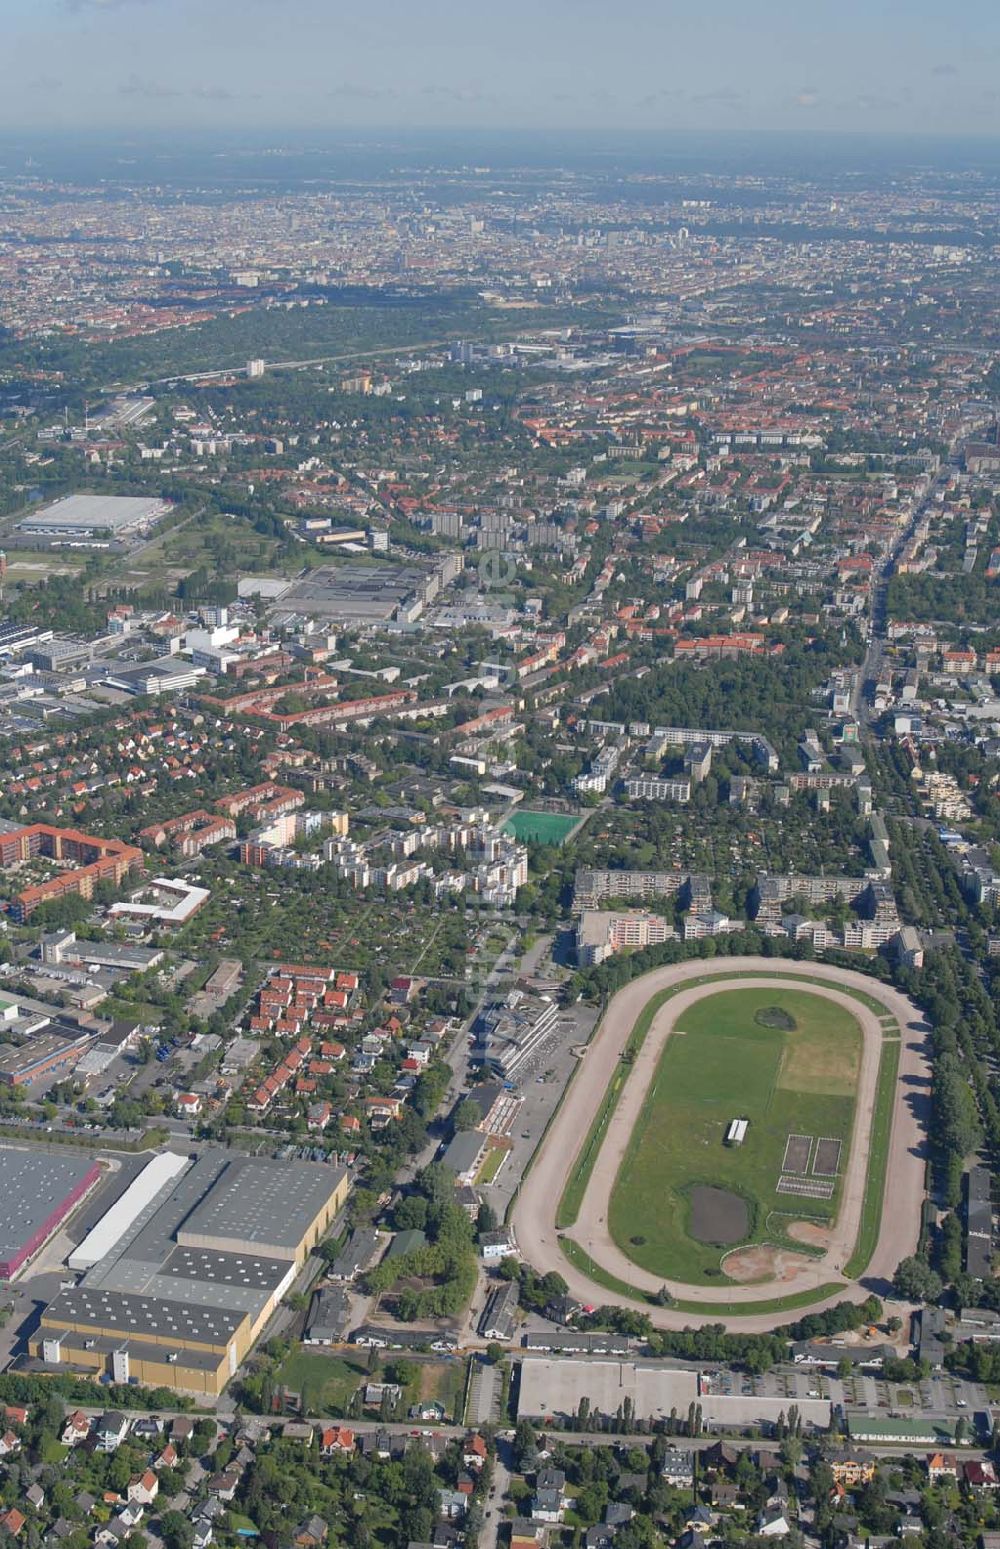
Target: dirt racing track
(788, 1274)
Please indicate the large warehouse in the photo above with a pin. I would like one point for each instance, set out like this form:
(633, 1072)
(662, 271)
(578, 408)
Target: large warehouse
(38, 1192)
(192, 1272)
(275, 1209)
(84, 518)
(553, 1389)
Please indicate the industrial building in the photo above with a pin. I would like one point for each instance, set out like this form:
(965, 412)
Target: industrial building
(368, 594)
(166, 675)
(86, 518)
(281, 1210)
(195, 1262)
(46, 1054)
(39, 1191)
(554, 1389)
(126, 1210)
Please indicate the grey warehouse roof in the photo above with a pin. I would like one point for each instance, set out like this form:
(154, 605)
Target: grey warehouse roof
(146, 1317)
(33, 1185)
(269, 1204)
(88, 513)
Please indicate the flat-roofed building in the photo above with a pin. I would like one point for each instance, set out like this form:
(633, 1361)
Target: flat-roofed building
(177, 1312)
(655, 788)
(601, 933)
(82, 517)
(277, 1209)
(39, 1191)
(163, 1344)
(47, 1054)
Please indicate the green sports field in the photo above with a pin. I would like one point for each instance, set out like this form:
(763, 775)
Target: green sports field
(540, 827)
(722, 1063)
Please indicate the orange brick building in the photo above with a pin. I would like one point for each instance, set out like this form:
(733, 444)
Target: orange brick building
(94, 860)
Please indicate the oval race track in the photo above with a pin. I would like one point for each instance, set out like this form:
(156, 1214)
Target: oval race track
(534, 1213)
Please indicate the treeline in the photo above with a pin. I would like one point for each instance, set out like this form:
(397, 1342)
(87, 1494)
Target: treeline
(15, 1389)
(965, 1040)
(711, 1343)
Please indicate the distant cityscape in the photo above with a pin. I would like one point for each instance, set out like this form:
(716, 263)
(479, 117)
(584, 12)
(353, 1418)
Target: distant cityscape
(500, 853)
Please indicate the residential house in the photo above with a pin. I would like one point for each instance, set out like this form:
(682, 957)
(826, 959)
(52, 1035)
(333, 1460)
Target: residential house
(852, 1467)
(474, 1452)
(678, 1468)
(720, 1457)
(144, 1489)
(311, 1534)
(110, 1431)
(224, 1486)
(980, 1477)
(336, 1440)
(76, 1429)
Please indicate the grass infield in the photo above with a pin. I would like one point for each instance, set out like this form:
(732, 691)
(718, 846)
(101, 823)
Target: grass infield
(719, 1064)
(878, 1160)
(569, 1204)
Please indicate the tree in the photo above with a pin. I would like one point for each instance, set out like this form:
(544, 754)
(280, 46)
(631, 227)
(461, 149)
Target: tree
(915, 1281)
(525, 1447)
(467, 1114)
(176, 1530)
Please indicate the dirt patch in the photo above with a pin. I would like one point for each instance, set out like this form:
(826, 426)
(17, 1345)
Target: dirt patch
(798, 1149)
(762, 1262)
(718, 1216)
(827, 1160)
(775, 1016)
(811, 1232)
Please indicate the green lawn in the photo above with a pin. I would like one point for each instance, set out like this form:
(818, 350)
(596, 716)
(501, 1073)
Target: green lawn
(721, 1064)
(327, 1383)
(444, 1381)
(541, 827)
(490, 1165)
(878, 1159)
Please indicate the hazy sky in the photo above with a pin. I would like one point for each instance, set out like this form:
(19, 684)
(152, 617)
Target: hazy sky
(910, 65)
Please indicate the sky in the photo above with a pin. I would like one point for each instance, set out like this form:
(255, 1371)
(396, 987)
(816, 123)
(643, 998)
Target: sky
(900, 66)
